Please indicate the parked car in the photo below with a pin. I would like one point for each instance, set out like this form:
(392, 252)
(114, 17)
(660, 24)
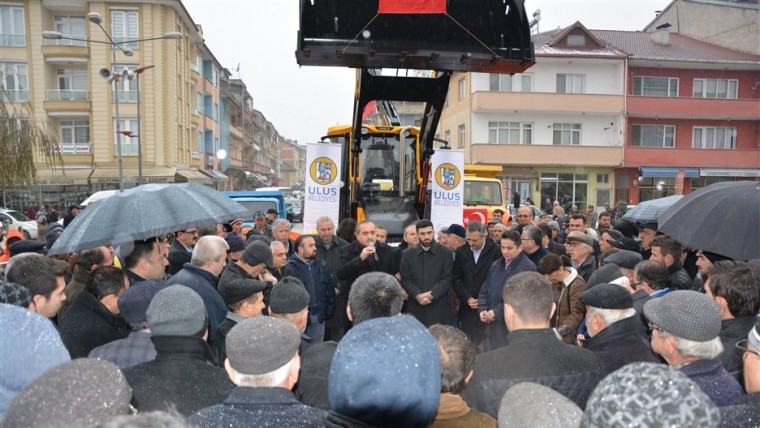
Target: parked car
(297, 206)
(13, 219)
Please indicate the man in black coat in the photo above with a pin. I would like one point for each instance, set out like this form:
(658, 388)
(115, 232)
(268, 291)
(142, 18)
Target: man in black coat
(73, 211)
(471, 264)
(329, 247)
(181, 249)
(182, 375)
(259, 350)
(534, 353)
(364, 255)
(94, 320)
(426, 277)
(617, 335)
(669, 251)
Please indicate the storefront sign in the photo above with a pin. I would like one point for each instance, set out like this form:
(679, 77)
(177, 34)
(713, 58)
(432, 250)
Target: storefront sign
(322, 184)
(447, 188)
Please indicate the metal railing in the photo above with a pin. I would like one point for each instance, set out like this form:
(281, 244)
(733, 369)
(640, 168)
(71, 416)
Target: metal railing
(10, 96)
(67, 95)
(65, 42)
(12, 40)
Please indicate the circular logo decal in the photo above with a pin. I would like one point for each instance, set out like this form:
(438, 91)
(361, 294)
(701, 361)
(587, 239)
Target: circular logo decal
(447, 176)
(323, 171)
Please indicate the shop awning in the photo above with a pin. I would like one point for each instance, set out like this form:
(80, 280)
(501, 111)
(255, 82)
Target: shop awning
(216, 175)
(63, 177)
(194, 176)
(668, 172)
(729, 172)
(159, 174)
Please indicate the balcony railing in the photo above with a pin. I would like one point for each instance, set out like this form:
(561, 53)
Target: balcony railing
(194, 111)
(67, 95)
(12, 40)
(10, 96)
(127, 96)
(65, 42)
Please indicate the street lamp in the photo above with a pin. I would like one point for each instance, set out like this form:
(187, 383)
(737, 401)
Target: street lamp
(129, 75)
(113, 78)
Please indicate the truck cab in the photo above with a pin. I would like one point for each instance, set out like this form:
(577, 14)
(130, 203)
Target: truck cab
(260, 200)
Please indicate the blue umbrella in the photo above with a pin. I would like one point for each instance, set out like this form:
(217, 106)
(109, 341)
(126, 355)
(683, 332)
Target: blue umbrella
(649, 211)
(144, 212)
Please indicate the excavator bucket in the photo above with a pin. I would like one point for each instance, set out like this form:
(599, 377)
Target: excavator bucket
(490, 36)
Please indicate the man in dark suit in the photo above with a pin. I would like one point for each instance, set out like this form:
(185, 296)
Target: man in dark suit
(364, 255)
(471, 264)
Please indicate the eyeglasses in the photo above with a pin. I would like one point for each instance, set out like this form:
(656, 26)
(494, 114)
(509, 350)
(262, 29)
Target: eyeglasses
(743, 347)
(636, 284)
(190, 232)
(523, 215)
(653, 327)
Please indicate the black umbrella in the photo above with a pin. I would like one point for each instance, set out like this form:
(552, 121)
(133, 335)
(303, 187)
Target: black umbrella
(144, 212)
(722, 218)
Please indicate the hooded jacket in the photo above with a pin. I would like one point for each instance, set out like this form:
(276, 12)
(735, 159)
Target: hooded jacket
(13, 233)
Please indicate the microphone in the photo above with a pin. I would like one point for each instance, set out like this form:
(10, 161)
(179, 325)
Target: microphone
(374, 255)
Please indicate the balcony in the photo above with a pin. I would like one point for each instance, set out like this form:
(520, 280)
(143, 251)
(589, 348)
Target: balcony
(128, 96)
(67, 95)
(67, 54)
(13, 40)
(687, 157)
(14, 96)
(484, 102)
(694, 108)
(195, 74)
(540, 154)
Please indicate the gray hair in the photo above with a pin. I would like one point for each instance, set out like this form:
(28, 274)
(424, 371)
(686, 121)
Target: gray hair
(534, 234)
(476, 226)
(279, 222)
(611, 316)
(693, 349)
(209, 248)
(324, 219)
(501, 226)
(276, 244)
(274, 378)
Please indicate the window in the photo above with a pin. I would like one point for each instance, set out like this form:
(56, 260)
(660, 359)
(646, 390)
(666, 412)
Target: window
(13, 81)
(75, 136)
(571, 83)
(715, 88)
(72, 85)
(566, 134)
(70, 26)
(127, 88)
(214, 76)
(576, 40)
(500, 82)
(462, 89)
(653, 135)
(128, 145)
(461, 136)
(655, 86)
(656, 187)
(714, 137)
(208, 105)
(527, 82)
(124, 27)
(602, 179)
(199, 142)
(567, 188)
(447, 136)
(201, 102)
(510, 133)
(12, 30)
(216, 112)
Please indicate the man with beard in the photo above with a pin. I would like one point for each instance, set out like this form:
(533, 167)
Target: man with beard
(426, 277)
(365, 255)
(315, 275)
(181, 250)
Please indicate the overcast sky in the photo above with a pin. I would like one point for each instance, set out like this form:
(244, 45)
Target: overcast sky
(302, 103)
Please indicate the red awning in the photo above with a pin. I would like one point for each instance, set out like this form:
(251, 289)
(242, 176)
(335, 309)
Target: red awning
(412, 7)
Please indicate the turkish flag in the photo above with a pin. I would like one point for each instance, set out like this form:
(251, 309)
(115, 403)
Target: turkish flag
(370, 108)
(476, 214)
(412, 6)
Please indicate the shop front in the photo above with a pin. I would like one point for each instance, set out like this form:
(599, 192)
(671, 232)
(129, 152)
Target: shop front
(59, 188)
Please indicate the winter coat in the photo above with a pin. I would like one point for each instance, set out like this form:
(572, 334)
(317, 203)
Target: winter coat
(218, 341)
(75, 287)
(352, 266)
(621, 343)
(453, 412)
(134, 349)
(744, 413)
(178, 256)
(731, 332)
(87, 324)
(532, 355)
(468, 278)
(319, 283)
(570, 311)
(181, 376)
(423, 271)
(259, 407)
(491, 296)
(203, 282)
(11, 234)
(538, 255)
(331, 256)
(714, 380)
(311, 388)
(586, 268)
(678, 278)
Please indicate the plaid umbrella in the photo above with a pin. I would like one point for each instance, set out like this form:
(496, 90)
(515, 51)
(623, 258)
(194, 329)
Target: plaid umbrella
(144, 212)
(723, 218)
(649, 211)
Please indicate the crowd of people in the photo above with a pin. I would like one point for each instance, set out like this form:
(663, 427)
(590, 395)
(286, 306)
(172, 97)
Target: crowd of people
(557, 320)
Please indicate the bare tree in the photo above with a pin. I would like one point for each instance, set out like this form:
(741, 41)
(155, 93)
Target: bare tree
(22, 142)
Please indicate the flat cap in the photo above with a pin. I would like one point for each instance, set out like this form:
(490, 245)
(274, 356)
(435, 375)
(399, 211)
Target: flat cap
(27, 246)
(581, 237)
(607, 296)
(686, 314)
(133, 304)
(458, 230)
(625, 259)
(15, 294)
(261, 345)
(626, 243)
(256, 253)
(239, 289)
(176, 311)
(289, 296)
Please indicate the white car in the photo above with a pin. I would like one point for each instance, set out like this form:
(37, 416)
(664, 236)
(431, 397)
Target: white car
(12, 219)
